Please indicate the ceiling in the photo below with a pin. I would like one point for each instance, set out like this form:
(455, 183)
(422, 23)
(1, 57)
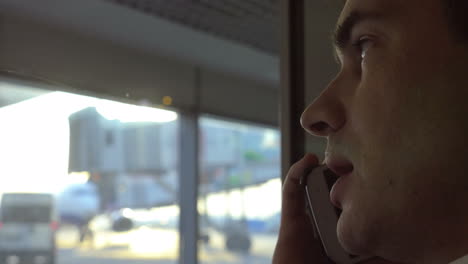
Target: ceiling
(235, 37)
(250, 22)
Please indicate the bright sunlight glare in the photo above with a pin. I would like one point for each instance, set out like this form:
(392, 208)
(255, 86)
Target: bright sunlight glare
(35, 136)
(247, 202)
(132, 113)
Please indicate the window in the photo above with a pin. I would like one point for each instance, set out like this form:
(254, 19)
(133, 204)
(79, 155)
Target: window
(113, 172)
(23, 213)
(105, 163)
(239, 193)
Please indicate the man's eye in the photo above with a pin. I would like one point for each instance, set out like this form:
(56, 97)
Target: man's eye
(362, 46)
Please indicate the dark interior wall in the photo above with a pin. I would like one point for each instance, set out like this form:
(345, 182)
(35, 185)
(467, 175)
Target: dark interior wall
(320, 65)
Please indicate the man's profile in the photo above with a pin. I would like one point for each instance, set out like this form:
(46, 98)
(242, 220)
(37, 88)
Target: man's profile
(395, 120)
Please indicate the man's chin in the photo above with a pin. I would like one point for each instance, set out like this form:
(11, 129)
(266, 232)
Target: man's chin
(354, 240)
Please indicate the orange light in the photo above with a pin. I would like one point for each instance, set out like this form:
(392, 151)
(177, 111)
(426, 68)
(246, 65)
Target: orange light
(167, 100)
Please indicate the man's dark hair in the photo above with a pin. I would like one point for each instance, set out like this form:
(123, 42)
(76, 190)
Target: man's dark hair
(458, 19)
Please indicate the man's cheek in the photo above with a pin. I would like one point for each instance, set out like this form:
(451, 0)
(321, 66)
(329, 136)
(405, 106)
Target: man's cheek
(371, 109)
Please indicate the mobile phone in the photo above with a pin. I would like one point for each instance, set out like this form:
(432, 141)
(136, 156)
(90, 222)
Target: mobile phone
(325, 215)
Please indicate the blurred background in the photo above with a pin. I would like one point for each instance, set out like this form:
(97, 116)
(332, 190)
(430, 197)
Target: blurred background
(139, 131)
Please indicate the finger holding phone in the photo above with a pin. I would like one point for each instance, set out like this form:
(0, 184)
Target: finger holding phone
(296, 241)
(306, 194)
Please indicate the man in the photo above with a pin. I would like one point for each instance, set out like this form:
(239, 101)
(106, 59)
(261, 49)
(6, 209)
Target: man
(395, 119)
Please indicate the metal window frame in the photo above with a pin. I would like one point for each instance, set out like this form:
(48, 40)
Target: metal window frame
(188, 188)
(292, 101)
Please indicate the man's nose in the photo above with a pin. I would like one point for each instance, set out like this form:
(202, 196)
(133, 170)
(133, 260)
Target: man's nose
(324, 116)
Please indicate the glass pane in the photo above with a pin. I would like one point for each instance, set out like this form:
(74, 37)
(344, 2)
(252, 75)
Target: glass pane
(240, 192)
(86, 180)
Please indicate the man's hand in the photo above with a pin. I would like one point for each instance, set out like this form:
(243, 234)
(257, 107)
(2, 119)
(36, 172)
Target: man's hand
(296, 242)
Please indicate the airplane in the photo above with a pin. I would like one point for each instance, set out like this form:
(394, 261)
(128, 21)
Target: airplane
(78, 203)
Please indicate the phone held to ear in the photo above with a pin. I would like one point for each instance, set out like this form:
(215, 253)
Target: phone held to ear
(318, 185)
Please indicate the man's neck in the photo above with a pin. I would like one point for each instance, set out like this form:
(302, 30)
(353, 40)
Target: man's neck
(447, 243)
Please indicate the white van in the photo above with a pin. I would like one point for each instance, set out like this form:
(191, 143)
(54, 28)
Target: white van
(28, 223)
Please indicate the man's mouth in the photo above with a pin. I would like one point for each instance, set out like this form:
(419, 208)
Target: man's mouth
(341, 167)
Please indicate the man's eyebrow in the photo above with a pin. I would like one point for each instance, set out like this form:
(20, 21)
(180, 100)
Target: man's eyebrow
(342, 35)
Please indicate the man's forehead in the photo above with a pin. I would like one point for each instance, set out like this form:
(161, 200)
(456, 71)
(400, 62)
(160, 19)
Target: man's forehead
(368, 6)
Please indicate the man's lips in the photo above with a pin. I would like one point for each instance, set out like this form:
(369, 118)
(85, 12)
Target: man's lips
(342, 167)
(337, 192)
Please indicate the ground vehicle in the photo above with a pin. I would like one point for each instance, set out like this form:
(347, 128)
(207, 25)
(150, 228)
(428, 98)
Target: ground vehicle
(28, 225)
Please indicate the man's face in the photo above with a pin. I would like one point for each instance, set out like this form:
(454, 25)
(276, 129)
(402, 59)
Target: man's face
(396, 112)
